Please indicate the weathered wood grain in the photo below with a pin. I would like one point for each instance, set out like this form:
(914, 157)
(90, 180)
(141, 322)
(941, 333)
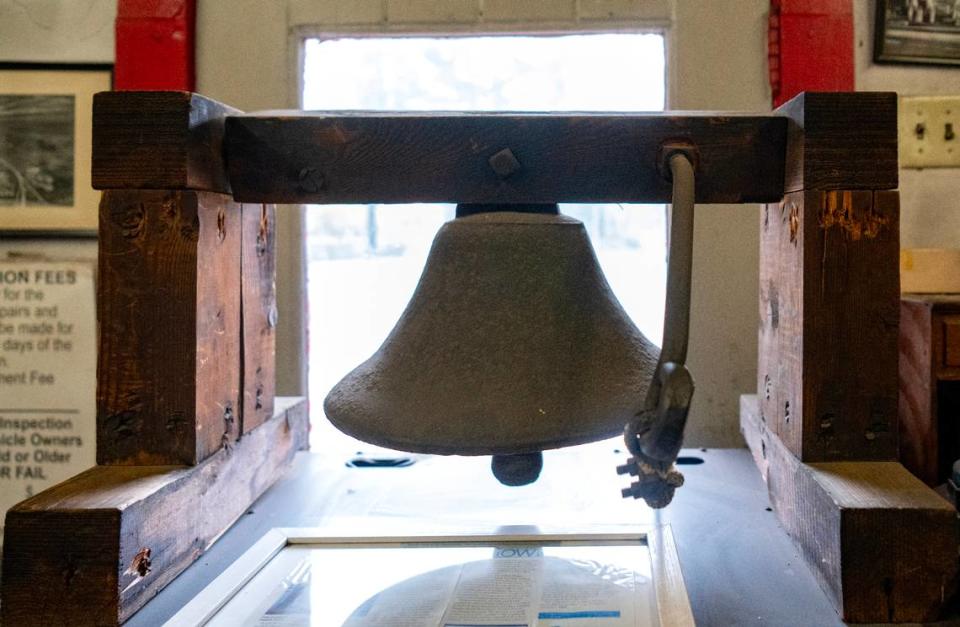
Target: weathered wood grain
(919, 437)
(94, 549)
(259, 314)
(293, 157)
(829, 308)
(881, 544)
(158, 140)
(168, 377)
(753, 429)
(929, 387)
(841, 141)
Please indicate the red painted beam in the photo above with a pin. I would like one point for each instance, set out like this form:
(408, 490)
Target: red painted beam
(155, 45)
(810, 47)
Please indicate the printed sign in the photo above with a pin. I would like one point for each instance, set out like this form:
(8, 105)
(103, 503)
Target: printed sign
(47, 375)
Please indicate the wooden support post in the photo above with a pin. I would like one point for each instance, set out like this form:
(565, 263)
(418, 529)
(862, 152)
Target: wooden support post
(168, 377)
(259, 313)
(94, 549)
(187, 313)
(841, 141)
(187, 295)
(829, 287)
(823, 426)
(882, 545)
(829, 293)
(159, 140)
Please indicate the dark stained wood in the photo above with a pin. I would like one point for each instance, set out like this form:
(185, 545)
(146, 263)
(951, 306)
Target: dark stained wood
(158, 140)
(951, 342)
(75, 570)
(94, 549)
(168, 376)
(881, 544)
(829, 307)
(259, 313)
(918, 391)
(929, 388)
(293, 157)
(841, 141)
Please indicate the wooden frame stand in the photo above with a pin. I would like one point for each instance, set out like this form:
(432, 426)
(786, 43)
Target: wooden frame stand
(188, 434)
(823, 425)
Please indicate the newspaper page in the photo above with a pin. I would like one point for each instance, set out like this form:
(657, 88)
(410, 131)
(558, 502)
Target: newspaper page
(585, 586)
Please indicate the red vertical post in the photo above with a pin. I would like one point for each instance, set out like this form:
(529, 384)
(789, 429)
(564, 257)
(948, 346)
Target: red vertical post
(155, 45)
(810, 47)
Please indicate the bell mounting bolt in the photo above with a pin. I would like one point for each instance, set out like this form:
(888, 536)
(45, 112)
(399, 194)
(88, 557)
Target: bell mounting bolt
(655, 435)
(672, 147)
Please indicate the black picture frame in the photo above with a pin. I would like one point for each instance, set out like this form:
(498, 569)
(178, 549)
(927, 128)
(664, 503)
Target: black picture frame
(25, 211)
(917, 32)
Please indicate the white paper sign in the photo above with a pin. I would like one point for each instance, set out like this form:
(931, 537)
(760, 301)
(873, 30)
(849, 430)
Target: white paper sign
(47, 375)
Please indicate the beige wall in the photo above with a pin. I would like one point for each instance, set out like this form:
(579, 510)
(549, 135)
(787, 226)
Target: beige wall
(245, 58)
(930, 199)
(719, 62)
(56, 31)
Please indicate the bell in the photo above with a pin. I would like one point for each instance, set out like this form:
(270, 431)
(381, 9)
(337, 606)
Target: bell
(512, 343)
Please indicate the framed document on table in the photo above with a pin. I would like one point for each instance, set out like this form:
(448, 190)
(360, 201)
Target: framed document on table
(301, 577)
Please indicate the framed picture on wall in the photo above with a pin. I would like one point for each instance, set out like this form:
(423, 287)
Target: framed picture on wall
(46, 114)
(918, 31)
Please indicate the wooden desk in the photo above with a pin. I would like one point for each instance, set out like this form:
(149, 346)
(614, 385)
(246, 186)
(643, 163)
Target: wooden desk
(739, 566)
(930, 384)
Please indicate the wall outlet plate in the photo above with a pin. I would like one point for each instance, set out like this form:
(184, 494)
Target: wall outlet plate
(929, 129)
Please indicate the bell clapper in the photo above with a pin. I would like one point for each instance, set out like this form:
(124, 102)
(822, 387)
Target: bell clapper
(517, 470)
(655, 435)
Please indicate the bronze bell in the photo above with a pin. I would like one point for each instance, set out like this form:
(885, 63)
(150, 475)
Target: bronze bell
(512, 343)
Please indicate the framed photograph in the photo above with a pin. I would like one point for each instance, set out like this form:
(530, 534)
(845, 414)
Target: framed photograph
(46, 117)
(918, 31)
(303, 577)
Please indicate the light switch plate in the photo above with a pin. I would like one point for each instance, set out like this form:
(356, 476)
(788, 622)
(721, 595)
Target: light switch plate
(929, 129)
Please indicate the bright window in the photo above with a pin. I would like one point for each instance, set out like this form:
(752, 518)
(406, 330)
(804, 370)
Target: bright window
(364, 260)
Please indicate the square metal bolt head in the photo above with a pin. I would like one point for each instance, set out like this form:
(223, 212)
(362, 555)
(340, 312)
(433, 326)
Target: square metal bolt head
(504, 163)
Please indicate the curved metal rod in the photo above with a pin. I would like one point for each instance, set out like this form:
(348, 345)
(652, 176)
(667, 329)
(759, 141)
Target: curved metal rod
(655, 435)
(676, 323)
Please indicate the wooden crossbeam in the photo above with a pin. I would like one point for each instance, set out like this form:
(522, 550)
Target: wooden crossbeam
(498, 158)
(179, 140)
